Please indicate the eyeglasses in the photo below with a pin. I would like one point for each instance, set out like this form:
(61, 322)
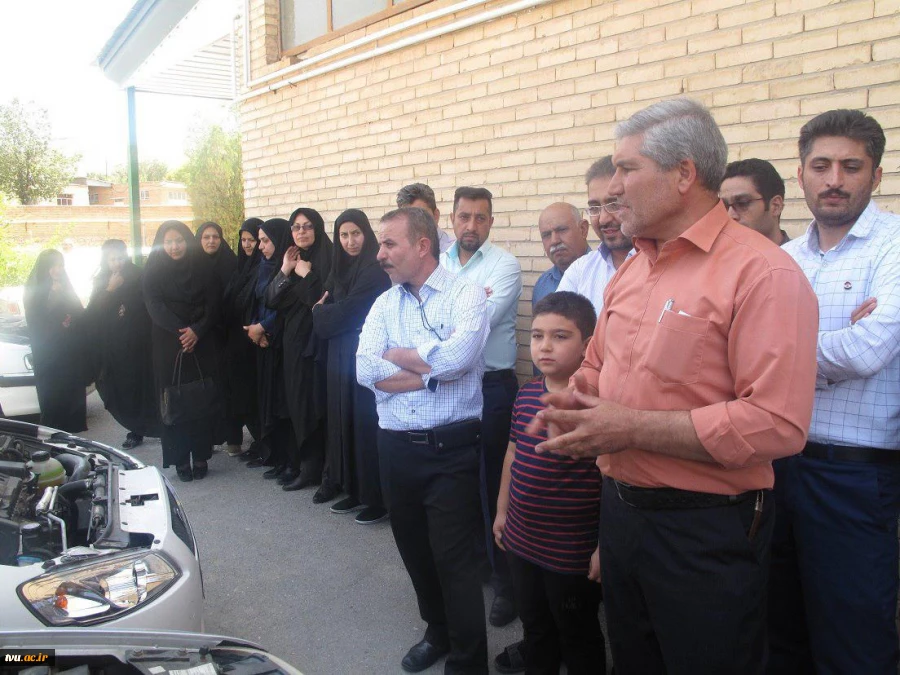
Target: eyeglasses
(306, 227)
(741, 204)
(594, 210)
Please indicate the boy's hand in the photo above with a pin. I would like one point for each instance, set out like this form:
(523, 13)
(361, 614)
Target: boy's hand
(594, 572)
(499, 528)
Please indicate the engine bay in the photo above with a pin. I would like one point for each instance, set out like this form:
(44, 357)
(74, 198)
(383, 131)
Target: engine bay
(77, 517)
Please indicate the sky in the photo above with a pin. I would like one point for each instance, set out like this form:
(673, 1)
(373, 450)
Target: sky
(47, 48)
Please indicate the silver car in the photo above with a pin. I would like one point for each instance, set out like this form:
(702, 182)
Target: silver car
(110, 546)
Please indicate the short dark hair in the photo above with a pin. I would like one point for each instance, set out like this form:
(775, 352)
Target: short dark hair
(419, 224)
(764, 176)
(473, 194)
(854, 124)
(602, 168)
(415, 191)
(576, 308)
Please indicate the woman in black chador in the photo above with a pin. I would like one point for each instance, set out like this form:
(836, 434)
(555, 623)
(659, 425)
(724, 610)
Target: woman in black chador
(293, 292)
(120, 337)
(55, 323)
(351, 460)
(213, 243)
(182, 291)
(239, 362)
(265, 328)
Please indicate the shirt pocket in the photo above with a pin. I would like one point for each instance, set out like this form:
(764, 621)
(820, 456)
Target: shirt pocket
(675, 353)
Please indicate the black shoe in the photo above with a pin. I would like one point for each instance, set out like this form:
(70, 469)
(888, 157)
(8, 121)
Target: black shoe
(371, 515)
(511, 659)
(247, 455)
(289, 475)
(200, 470)
(184, 472)
(347, 505)
(298, 483)
(503, 611)
(274, 472)
(254, 463)
(421, 656)
(132, 441)
(325, 493)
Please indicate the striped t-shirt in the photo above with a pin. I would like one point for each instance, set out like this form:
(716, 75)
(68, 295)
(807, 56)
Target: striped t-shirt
(554, 501)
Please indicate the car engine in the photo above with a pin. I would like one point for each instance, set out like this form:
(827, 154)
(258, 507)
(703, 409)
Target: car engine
(37, 524)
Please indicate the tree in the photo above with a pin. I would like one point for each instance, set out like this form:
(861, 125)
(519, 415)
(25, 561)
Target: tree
(152, 170)
(30, 169)
(214, 178)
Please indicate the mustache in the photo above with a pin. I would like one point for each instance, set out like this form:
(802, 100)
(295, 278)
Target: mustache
(385, 265)
(558, 247)
(834, 193)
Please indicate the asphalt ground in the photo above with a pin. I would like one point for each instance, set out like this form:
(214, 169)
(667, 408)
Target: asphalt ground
(327, 594)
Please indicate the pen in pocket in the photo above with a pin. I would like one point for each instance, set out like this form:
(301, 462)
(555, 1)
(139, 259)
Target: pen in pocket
(668, 306)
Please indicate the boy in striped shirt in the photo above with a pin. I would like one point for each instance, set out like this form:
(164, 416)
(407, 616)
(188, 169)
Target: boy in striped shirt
(548, 509)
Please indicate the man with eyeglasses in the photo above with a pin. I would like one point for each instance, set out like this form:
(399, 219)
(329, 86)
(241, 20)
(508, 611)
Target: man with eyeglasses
(422, 196)
(421, 353)
(564, 236)
(473, 257)
(753, 194)
(589, 274)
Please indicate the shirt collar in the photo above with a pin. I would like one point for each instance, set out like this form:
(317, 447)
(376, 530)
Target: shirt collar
(701, 234)
(453, 252)
(863, 228)
(439, 280)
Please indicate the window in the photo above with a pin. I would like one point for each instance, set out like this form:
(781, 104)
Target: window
(177, 196)
(64, 200)
(93, 198)
(303, 21)
(145, 195)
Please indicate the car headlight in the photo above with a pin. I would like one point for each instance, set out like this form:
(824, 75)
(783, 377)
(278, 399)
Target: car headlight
(100, 591)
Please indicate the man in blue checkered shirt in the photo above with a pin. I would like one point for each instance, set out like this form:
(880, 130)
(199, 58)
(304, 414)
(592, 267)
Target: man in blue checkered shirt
(833, 584)
(421, 351)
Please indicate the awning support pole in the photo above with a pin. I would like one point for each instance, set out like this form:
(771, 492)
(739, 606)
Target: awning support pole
(134, 182)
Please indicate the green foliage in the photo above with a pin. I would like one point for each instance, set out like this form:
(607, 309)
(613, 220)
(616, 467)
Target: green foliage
(214, 178)
(30, 170)
(152, 170)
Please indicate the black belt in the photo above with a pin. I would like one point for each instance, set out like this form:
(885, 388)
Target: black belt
(673, 498)
(492, 375)
(847, 453)
(446, 437)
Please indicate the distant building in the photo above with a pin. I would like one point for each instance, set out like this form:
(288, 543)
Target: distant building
(91, 192)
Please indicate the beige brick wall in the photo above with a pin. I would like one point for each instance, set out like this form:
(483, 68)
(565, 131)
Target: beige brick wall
(523, 104)
(88, 225)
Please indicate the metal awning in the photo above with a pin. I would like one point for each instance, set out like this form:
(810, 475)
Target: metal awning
(181, 47)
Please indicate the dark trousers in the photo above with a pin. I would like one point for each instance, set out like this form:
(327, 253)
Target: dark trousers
(499, 389)
(833, 580)
(432, 495)
(684, 589)
(559, 616)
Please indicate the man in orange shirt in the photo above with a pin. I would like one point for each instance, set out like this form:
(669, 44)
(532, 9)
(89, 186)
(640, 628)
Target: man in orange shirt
(700, 373)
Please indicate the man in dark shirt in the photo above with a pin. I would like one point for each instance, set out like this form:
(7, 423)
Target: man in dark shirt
(564, 236)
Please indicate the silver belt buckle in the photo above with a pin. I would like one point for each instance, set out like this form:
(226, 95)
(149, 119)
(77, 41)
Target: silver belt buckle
(418, 437)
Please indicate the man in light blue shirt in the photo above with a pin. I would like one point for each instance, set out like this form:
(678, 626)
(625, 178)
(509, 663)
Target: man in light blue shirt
(420, 352)
(833, 582)
(564, 236)
(473, 257)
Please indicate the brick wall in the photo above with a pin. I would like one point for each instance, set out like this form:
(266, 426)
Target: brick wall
(524, 103)
(88, 225)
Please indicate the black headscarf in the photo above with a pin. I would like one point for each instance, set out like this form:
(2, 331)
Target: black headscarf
(183, 282)
(37, 287)
(129, 269)
(224, 260)
(278, 230)
(320, 253)
(246, 264)
(346, 268)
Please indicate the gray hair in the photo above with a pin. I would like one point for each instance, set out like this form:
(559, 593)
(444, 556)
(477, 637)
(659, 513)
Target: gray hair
(419, 224)
(680, 129)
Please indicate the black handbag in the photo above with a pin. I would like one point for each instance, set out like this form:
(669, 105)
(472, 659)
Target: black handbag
(180, 403)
